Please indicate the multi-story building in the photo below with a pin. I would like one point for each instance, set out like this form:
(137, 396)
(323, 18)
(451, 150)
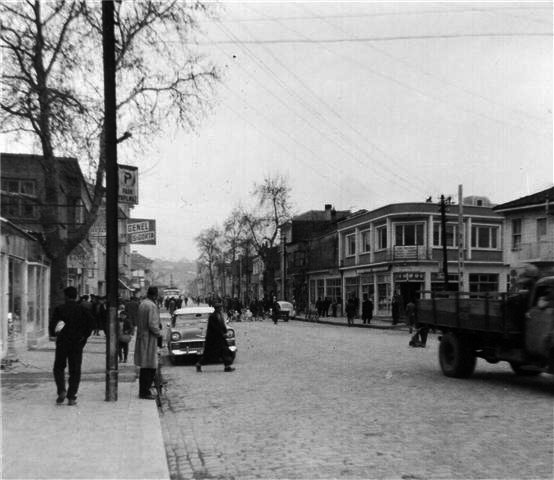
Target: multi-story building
(300, 238)
(397, 249)
(529, 231)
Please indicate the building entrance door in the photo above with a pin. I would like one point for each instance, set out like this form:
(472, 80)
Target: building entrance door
(409, 291)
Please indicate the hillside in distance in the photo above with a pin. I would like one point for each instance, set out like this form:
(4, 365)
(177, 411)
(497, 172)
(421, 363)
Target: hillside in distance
(173, 273)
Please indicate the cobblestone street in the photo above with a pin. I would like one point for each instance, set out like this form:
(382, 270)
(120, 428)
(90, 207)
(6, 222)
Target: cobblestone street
(322, 401)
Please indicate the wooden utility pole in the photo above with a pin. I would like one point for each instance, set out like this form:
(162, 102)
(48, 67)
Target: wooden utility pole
(110, 139)
(443, 241)
(460, 239)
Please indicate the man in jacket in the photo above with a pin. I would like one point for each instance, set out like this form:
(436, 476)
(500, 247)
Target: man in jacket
(70, 326)
(146, 344)
(216, 348)
(367, 309)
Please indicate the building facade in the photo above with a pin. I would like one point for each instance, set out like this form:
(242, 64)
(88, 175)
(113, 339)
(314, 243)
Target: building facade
(529, 231)
(397, 250)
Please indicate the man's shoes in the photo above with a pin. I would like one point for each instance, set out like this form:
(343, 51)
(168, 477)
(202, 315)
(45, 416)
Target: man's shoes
(229, 369)
(148, 397)
(61, 398)
(72, 401)
(198, 367)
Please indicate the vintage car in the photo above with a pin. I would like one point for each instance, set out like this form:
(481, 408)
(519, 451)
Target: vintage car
(187, 331)
(286, 310)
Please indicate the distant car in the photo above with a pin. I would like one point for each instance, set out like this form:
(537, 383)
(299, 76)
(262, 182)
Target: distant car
(187, 332)
(287, 310)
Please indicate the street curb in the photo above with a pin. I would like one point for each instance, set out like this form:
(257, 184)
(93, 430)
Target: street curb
(358, 325)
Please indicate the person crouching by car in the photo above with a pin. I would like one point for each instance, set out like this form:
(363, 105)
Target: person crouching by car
(146, 344)
(216, 348)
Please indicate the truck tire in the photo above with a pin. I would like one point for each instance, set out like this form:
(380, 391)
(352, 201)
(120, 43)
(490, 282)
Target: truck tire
(456, 357)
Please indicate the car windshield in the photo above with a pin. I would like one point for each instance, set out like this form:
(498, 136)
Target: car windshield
(197, 320)
(286, 305)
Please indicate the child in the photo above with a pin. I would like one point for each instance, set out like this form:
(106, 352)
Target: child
(125, 334)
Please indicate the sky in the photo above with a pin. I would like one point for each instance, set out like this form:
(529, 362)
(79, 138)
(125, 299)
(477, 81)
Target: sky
(359, 105)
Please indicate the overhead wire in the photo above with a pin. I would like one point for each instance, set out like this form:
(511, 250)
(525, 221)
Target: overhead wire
(433, 76)
(345, 122)
(423, 93)
(275, 77)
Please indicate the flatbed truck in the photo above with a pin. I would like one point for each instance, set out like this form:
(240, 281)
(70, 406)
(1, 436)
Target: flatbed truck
(518, 329)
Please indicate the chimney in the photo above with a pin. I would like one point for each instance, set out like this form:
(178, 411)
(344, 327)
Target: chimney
(328, 210)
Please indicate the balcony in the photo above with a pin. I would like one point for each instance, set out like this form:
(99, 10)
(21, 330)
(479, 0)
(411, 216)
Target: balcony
(405, 253)
(537, 252)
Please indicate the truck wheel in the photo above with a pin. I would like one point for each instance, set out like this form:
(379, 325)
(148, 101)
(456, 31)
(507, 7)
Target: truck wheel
(456, 357)
(520, 370)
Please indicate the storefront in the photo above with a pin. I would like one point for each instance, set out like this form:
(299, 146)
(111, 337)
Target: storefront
(409, 285)
(25, 279)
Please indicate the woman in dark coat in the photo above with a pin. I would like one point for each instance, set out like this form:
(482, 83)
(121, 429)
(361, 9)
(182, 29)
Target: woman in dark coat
(216, 348)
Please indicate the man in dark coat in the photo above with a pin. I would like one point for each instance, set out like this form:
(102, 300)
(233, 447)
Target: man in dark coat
(71, 325)
(146, 344)
(350, 310)
(216, 348)
(367, 309)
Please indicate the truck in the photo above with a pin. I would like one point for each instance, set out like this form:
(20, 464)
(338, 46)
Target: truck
(518, 329)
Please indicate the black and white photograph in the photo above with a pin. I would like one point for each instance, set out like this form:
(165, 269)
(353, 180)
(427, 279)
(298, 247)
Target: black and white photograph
(276, 239)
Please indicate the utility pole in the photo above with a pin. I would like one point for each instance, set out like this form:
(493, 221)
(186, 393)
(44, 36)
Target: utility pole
(443, 241)
(112, 245)
(460, 239)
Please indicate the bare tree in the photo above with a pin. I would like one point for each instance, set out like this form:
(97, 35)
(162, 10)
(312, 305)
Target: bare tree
(233, 241)
(52, 94)
(209, 245)
(263, 223)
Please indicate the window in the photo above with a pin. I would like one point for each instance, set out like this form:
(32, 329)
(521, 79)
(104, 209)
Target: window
(516, 234)
(451, 239)
(483, 282)
(409, 234)
(22, 202)
(366, 241)
(334, 288)
(382, 237)
(484, 237)
(541, 229)
(350, 245)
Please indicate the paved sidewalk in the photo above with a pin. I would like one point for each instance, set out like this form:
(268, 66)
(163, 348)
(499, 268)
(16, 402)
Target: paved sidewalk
(95, 439)
(383, 323)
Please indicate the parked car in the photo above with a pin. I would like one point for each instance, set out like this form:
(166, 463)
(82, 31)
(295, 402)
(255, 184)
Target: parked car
(187, 332)
(286, 310)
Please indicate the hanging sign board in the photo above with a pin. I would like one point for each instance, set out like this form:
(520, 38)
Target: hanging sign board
(128, 184)
(140, 230)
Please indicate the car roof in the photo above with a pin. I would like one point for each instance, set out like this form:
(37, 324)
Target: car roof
(284, 302)
(193, 310)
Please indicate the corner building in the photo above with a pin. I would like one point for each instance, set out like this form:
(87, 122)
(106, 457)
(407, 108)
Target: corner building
(397, 249)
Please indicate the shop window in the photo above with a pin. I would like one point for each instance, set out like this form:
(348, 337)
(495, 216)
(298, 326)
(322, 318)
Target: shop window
(334, 289)
(484, 237)
(483, 282)
(516, 234)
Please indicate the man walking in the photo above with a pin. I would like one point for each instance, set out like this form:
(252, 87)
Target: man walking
(367, 310)
(146, 343)
(71, 325)
(216, 348)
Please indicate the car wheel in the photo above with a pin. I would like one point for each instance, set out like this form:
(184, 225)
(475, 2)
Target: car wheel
(456, 356)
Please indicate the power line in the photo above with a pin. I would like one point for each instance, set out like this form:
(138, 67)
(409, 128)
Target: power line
(433, 76)
(276, 78)
(446, 36)
(342, 119)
